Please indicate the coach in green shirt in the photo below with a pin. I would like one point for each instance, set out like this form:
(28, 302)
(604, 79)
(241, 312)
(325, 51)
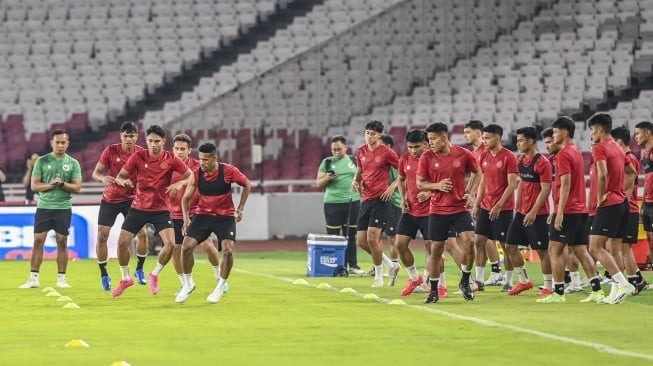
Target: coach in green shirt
(341, 205)
(55, 176)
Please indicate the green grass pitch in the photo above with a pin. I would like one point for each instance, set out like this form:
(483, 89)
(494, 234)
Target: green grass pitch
(264, 319)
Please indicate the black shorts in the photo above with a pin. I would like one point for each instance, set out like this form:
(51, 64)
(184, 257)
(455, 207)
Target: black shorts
(46, 219)
(630, 228)
(575, 230)
(372, 214)
(335, 214)
(647, 217)
(109, 212)
(177, 225)
(607, 220)
(409, 225)
(201, 227)
(443, 226)
(392, 219)
(136, 219)
(536, 235)
(493, 230)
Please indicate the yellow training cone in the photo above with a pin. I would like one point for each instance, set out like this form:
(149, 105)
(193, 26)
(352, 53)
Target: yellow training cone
(77, 343)
(397, 302)
(70, 305)
(47, 289)
(120, 363)
(300, 281)
(370, 296)
(64, 298)
(347, 289)
(323, 285)
(53, 293)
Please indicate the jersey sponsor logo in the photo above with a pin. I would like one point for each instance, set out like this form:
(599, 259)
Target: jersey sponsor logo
(146, 165)
(437, 165)
(65, 167)
(407, 167)
(49, 166)
(485, 163)
(118, 160)
(527, 175)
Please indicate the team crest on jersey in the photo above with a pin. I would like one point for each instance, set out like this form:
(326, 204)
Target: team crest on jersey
(65, 167)
(164, 165)
(351, 165)
(377, 159)
(499, 164)
(456, 163)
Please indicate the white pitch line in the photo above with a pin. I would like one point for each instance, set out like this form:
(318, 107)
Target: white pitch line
(486, 323)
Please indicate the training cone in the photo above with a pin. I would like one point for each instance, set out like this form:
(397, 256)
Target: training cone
(70, 305)
(397, 302)
(347, 289)
(53, 293)
(120, 363)
(300, 282)
(48, 289)
(323, 285)
(77, 343)
(65, 298)
(370, 296)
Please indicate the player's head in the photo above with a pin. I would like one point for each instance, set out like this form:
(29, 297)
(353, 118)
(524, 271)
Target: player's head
(599, 124)
(208, 155)
(59, 142)
(373, 132)
(643, 132)
(526, 137)
(181, 146)
(621, 134)
(338, 146)
(563, 128)
(473, 132)
(492, 136)
(155, 136)
(438, 135)
(388, 141)
(416, 142)
(128, 135)
(547, 137)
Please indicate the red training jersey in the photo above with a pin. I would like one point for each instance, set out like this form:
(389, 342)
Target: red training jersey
(616, 168)
(175, 199)
(434, 167)
(631, 158)
(153, 176)
(495, 173)
(569, 161)
(480, 149)
(218, 202)
(114, 158)
(592, 195)
(647, 166)
(533, 174)
(408, 165)
(376, 169)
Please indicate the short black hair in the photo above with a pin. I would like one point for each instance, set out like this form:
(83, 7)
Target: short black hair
(374, 125)
(474, 124)
(183, 138)
(621, 133)
(129, 127)
(495, 129)
(601, 119)
(416, 136)
(339, 138)
(59, 131)
(547, 132)
(565, 123)
(208, 148)
(437, 127)
(645, 125)
(157, 130)
(388, 140)
(528, 132)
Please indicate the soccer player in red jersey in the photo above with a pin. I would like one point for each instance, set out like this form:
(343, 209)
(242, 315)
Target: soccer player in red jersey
(495, 199)
(117, 200)
(569, 223)
(152, 170)
(473, 134)
(442, 171)
(644, 138)
(215, 213)
(529, 225)
(611, 203)
(630, 227)
(374, 163)
(181, 148)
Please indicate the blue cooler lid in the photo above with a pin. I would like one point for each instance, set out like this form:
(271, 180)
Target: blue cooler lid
(326, 239)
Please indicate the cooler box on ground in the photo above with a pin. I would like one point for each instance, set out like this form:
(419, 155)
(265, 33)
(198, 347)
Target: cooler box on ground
(326, 255)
